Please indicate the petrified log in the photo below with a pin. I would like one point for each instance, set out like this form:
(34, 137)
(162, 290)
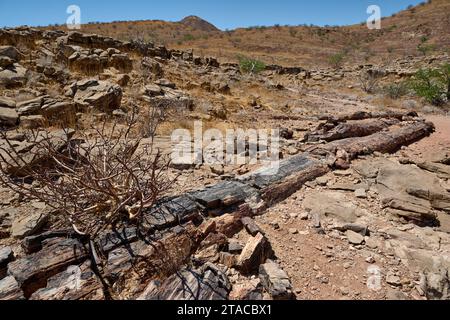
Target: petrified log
(75, 283)
(208, 283)
(170, 212)
(351, 129)
(10, 290)
(224, 194)
(32, 272)
(384, 142)
(361, 115)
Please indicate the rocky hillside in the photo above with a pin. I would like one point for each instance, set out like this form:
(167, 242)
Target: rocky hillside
(362, 191)
(400, 36)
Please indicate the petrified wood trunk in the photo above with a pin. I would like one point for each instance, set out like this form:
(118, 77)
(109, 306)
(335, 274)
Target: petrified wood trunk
(384, 142)
(352, 129)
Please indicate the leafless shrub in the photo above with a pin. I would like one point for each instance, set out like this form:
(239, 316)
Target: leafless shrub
(107, 176)
(368, 81)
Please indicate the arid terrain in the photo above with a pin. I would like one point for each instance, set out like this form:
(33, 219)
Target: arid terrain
(359, 208)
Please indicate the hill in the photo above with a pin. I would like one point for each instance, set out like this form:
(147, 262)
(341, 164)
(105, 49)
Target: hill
(425, 25)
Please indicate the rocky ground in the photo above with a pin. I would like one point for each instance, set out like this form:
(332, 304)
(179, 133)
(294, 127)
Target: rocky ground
(359, 209)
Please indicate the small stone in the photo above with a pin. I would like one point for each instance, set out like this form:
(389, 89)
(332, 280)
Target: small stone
(304, 216)
(393, 280)
(293, 231)
(370, 260)
(360, 193)
(354, 238)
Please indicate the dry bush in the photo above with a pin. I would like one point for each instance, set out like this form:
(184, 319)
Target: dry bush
(368, 81)
(109, 175)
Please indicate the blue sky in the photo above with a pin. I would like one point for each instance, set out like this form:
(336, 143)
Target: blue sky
(225, 14)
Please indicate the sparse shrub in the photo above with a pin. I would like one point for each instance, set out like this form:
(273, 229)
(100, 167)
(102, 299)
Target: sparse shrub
(336, 59)
(432, 84)
(188, 37)
(369, 81)
(108, 176)
(425, 48)
(396, 90)
(252, 66)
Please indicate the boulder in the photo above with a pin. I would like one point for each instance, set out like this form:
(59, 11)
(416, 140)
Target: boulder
(8, 117)
(255, 252)
(276, 281)
(30, 107)
(13, 76)
(6, 62)
(101, 95)
(7, 103)
(10, 52)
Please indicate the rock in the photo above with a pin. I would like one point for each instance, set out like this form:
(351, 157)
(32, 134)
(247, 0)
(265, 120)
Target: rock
(249, 290)
(10, 290)
(354, 238)
(396, 295)
(393, 280)
(332, 204)
(33, 122)
(227, 259)
(165, 83)
(7, 103)
(28, 224)
(393, 181)
(30, 107)
(293, 231)
(250, 225)
(32, 272)
(75, 283)
(255, 252)
(13, 76)
(287, 134)
(208, 283)
(275, 281)
(8, 117)
(6, 256)
(121, 61)
(234, 246)
(101, 95)
(229, 224)
(437, 285)
(360, 193)
(152, 90)
(10, 52)
(6, 62)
